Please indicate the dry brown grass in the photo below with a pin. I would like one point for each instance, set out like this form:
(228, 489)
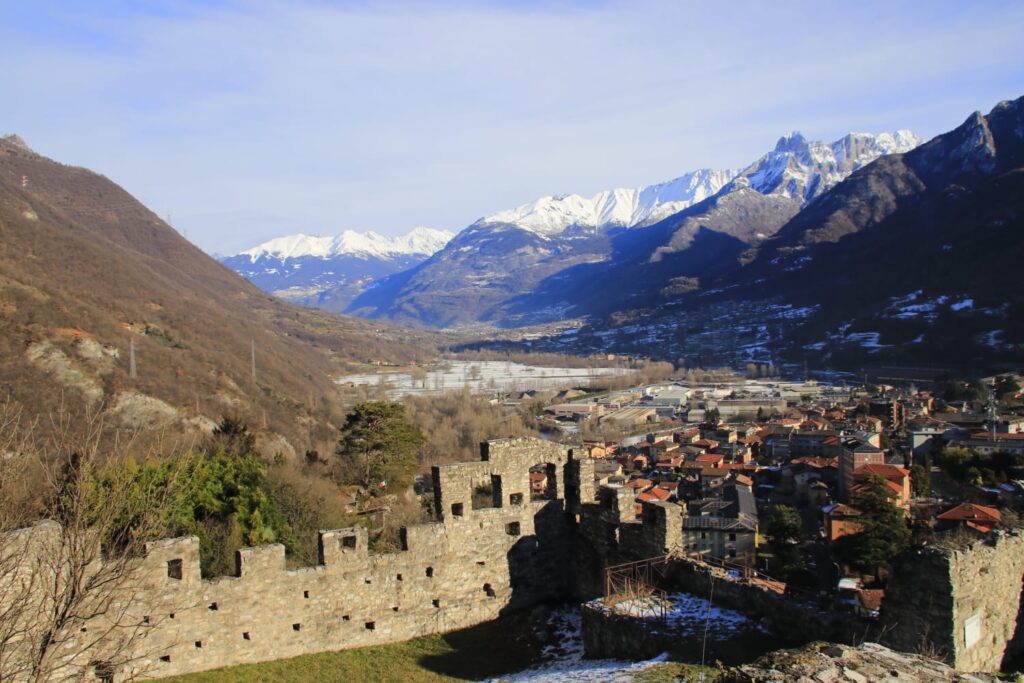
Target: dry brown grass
(81, 259)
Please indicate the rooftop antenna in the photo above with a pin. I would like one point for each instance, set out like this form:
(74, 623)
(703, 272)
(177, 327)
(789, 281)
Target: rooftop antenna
(132, 372)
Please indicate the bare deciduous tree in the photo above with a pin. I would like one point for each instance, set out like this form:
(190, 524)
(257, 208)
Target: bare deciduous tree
(70, 589)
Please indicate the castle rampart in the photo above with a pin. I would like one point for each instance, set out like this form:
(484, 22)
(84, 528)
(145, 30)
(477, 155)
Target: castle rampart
(477, 563)
(961, 604)
(464, 570)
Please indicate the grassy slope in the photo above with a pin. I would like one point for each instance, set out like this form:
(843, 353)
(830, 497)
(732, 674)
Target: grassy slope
(483, 651)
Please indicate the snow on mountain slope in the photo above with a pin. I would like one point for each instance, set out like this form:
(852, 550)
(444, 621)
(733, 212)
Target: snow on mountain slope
(797, 168)
(801, 169)
(417, 242)
(329, 271)
(621, 207)
(537, 261)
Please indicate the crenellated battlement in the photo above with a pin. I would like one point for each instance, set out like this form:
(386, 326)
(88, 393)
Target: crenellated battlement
(531, 539)
(465, 569)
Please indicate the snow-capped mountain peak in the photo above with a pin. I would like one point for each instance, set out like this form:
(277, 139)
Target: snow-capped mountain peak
(801, 169)
(797, 168)
(417, 242)
(620, 207)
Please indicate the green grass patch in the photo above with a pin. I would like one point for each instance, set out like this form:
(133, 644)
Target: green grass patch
(670, 672)
(490, 649)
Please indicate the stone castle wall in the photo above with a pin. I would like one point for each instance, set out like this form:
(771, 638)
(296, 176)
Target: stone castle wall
(466, 569)
(476, 564)
(963, 605)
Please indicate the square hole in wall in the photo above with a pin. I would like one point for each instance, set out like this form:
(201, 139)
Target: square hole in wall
(515, 499)
(348, 542)
(457, 509)
(213, 607)
(430, 572)
(305, 594)
(370, 625)
(489, 590)
(145, 619)
(395, 608)
(165, 658)
(296, 627)
(103, 671)
(368, 580)
(199, 644)
(346, 617)
(171, 615)
(480, 563)
(174, 569)
(246, 635)
(512, 528)
(398, 577)
(437, 603)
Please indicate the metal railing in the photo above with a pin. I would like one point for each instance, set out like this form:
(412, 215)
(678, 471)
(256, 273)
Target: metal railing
(635, 583)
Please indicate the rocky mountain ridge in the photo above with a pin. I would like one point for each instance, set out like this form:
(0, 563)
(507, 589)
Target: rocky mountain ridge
(620, 207)
(329, 271)
(911, 261)
(573, 256)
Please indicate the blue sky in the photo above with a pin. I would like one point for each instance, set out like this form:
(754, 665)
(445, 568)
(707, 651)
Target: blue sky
(250, 120)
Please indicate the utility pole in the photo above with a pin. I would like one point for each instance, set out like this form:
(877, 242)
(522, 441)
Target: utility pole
(132, 372)
(992, 416)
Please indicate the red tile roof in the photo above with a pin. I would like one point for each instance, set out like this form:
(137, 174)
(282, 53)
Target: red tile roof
(885, 471)
(654, 494)
(871, 598)
(972, 512)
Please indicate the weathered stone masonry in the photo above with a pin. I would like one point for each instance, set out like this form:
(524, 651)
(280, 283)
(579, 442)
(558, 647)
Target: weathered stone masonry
(475, 564)
(963, 605)
(464, 570)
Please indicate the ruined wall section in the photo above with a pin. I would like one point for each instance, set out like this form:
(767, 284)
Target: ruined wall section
(611, 533)
(466, 569)
(963, 605)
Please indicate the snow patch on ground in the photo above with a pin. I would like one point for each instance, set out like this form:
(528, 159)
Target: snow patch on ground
(565, 658)
(687, 613)
(967, 304)
(688, 616)
(866, 340)
(798, 264)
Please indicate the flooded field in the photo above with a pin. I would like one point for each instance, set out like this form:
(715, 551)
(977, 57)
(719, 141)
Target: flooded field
(478, 376)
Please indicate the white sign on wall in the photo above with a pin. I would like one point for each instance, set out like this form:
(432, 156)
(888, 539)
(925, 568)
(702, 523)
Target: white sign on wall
(972, 630)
